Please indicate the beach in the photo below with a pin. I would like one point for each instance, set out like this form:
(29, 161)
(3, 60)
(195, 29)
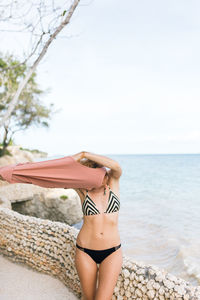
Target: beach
(20, 282)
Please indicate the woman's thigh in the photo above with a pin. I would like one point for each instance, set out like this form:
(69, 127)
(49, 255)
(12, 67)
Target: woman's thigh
(87, 272)
(109, 271)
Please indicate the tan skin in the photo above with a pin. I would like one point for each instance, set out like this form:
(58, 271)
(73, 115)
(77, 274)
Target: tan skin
(99, 232)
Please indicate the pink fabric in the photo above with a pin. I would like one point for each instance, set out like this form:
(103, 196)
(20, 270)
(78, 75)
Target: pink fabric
(63, 172)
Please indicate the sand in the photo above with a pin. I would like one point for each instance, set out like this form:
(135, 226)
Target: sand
(21, 282)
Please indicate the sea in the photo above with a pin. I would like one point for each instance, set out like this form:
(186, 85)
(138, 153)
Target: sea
(159, 217)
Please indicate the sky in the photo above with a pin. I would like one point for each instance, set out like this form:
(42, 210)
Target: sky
(126, 81)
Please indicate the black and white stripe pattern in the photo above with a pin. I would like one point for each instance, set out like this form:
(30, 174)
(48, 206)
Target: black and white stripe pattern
(89, 207)
(113, 203)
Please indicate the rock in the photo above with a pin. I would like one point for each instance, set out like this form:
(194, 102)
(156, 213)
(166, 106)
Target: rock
(50, 205)
(151, 294)
(20, 156)
(138, 292)
(168, 284)
(126, 273)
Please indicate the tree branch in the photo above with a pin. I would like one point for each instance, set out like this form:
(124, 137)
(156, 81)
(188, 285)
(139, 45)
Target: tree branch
(22, 84)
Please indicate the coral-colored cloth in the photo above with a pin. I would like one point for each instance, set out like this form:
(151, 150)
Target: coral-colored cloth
(63, 172)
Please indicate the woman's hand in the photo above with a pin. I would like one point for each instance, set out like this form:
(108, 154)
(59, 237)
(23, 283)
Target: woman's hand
(79, 155)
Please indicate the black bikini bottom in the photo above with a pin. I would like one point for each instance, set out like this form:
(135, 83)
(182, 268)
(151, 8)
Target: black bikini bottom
(98, 255)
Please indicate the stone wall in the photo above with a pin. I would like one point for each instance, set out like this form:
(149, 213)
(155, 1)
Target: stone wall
(49, 247)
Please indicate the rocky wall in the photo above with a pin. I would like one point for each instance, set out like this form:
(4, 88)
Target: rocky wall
(49, 247)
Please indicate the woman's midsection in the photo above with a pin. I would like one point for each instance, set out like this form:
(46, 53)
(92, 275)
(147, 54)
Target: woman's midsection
(99, 233)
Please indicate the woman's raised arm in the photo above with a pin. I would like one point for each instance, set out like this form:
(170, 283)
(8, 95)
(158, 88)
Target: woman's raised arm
(105, 161)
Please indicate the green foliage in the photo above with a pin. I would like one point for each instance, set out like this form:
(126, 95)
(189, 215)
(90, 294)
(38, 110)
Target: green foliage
(64, 12)
(29, 111)
(64, 197)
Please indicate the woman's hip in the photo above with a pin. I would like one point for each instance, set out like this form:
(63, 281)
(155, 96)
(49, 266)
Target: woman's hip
(98, 255)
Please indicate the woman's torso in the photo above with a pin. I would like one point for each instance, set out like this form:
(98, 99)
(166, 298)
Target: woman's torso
(100, 231)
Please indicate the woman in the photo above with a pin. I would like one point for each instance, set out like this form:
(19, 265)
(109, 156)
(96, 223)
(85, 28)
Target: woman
(98, 246)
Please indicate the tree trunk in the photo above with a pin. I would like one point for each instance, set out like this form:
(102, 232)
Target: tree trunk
(22, 84)
(5, 142)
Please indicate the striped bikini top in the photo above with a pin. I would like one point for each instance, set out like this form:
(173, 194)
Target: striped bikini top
(89, 207)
